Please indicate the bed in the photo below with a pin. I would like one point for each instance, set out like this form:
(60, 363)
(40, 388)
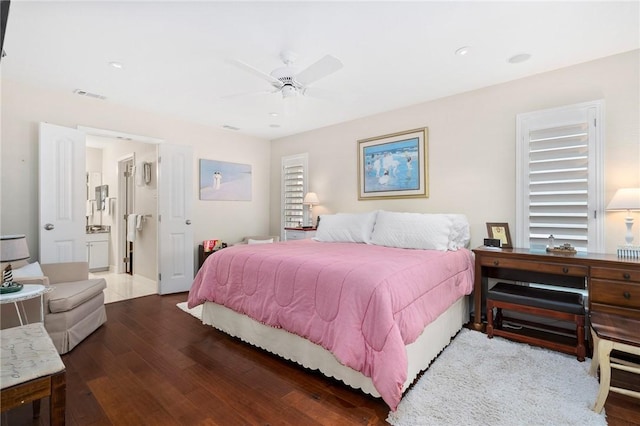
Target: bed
(370, 301)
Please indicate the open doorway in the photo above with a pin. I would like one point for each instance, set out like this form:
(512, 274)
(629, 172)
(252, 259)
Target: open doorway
(133, 263)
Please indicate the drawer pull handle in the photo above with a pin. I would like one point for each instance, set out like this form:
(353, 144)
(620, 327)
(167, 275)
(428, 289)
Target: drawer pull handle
(565, 270)
(626, 276)
(496, 263)
(627, 295)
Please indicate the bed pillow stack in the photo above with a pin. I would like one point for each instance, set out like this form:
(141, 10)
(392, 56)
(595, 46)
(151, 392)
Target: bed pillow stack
(346, 227)
(392, 229)
(412, 230)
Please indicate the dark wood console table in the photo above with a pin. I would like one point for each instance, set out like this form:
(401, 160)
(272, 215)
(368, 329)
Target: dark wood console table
(613, 283)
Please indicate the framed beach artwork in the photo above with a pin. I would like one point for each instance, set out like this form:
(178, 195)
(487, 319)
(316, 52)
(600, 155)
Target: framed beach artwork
(223, 181)
(393, 166)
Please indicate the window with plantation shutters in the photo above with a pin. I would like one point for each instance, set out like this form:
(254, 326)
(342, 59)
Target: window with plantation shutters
(558, 177)
(294, 186)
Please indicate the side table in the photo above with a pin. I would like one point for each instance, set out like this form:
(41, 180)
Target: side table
(31, 369)
(29, 291)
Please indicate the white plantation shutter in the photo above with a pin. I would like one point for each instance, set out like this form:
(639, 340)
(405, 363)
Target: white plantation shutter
(294, 186)
(559, 182)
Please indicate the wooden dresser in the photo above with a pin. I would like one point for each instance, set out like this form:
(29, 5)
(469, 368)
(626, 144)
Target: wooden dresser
(613, 283)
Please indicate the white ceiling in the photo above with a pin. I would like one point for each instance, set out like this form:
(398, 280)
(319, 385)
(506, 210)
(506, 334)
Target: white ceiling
(175, 55)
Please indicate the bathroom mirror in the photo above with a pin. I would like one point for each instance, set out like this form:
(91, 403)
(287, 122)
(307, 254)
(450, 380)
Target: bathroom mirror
(102, 192)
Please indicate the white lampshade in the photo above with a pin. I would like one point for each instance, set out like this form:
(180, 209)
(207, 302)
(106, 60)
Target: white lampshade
(13, 248)
(311, 198)
(625, 199)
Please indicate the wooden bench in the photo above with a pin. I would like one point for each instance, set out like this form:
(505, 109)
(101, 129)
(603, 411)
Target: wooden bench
(32, 370)
(559, 305)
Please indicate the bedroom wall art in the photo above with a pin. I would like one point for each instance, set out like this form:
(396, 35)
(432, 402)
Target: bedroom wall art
(223, 181)
(393, 166)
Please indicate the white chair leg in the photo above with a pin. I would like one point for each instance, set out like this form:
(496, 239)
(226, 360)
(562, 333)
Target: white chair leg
(593, 369)
(604, 353)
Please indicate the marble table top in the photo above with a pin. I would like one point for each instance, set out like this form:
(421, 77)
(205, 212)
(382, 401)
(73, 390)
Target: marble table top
(27, 353)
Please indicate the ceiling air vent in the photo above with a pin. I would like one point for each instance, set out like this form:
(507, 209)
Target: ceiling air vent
(88, 94)
(226, 126)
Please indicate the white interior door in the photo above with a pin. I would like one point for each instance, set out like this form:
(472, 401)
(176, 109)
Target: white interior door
(62, 194)
(175, 204)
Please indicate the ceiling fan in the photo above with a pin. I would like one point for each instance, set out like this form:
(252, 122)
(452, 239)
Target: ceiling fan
(291, 82)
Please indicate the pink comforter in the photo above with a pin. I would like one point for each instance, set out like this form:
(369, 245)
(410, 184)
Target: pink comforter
(361, 302)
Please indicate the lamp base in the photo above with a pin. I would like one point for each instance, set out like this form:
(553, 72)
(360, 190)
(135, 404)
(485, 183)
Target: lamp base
(628, 238)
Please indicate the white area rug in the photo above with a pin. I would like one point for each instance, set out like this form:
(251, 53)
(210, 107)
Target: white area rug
(196, 312)
(481, 381)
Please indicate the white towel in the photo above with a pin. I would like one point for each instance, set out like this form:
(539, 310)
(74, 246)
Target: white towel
(89, 208)
(131, 227)
(139, 220)
(107, 207)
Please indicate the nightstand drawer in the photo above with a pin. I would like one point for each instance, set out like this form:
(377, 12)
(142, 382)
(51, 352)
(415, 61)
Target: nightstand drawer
(616, 274)
(615, 293)
(551, 268)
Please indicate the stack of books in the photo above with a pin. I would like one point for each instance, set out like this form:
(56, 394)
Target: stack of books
(630, 252)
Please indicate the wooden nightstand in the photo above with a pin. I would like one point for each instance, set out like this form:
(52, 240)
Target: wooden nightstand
(202, 255)
(299, 233)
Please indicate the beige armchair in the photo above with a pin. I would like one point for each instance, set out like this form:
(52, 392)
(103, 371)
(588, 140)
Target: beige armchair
(73, 309)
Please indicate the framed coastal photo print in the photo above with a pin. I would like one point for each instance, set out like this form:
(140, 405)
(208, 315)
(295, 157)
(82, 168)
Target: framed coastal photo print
(393, 166)
(223, 181)
(500, 231)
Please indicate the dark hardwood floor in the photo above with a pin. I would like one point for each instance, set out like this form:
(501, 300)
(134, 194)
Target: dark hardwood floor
(152, 364)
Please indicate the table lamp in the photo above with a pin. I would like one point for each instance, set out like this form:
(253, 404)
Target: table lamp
(12, 249)
(311, 199)
(626, 199)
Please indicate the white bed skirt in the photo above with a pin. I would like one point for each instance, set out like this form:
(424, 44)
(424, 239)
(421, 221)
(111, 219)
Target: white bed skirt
(295, 348)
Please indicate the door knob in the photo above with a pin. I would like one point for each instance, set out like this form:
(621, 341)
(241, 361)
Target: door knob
(188, 222)
(48, 226)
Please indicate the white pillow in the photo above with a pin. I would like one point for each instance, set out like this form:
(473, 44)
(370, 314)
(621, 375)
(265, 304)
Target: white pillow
(346, 227)
(28, 270)
(412, 230)
(460, 235)
(267, 241)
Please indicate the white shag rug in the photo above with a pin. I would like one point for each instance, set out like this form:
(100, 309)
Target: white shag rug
(196, 312)
(481, 381)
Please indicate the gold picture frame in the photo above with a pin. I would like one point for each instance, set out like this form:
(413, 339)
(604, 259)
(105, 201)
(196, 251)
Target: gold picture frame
(500, 231)
(394, 166)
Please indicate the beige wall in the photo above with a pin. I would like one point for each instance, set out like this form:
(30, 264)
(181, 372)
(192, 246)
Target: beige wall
(23, 107)
(472, 146)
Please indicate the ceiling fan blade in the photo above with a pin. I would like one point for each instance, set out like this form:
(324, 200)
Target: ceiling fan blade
(247, 94)
(322, 68)
(315, 92)
(274, 81)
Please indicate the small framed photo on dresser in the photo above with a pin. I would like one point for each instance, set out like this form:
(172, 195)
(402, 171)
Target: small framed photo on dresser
(500, 231)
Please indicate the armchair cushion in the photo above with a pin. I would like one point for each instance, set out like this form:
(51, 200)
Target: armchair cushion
(274, 238)
(69, 295)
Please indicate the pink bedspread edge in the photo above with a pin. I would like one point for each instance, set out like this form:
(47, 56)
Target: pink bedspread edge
(361, 302)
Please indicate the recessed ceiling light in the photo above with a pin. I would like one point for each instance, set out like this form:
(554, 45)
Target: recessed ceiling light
(115, 64)
(273, 114)
(520, 57)
(463, 51)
